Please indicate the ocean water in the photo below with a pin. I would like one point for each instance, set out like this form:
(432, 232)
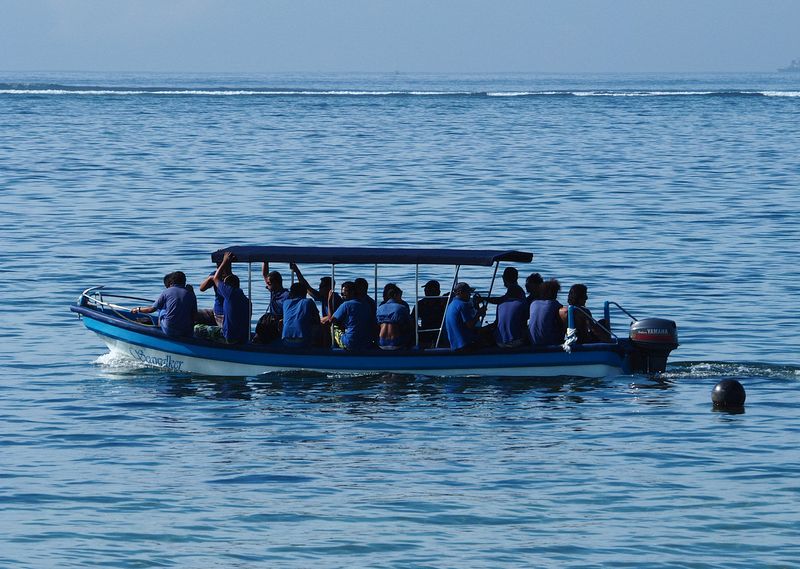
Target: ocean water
(674, 195)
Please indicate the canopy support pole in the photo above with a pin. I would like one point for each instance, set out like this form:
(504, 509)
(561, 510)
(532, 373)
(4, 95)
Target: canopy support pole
(250, 291)
(416, 306)
(333, 290)
(447, 304)
(491, 286)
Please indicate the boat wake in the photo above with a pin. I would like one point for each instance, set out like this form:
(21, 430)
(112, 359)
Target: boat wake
(705, 370)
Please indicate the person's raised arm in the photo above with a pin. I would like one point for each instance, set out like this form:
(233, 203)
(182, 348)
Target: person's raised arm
(224, 267)
(302, 280)
(265, 271)
(207, 283)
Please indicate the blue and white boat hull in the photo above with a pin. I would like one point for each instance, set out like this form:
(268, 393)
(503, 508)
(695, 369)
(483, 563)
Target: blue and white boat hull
(149, 346)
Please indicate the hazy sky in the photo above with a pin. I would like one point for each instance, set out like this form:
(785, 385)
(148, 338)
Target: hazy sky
(398, 35)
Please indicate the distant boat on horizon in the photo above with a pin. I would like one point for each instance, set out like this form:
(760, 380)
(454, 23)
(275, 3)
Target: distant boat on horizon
(793, 67)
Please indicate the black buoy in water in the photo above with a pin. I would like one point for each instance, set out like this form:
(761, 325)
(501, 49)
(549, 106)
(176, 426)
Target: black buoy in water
(728, 394)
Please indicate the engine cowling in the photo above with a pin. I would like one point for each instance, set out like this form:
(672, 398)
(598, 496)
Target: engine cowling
(652, 340)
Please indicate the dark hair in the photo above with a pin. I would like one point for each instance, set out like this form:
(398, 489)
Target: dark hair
(391, 290)
(362, 286)
(231, 280)
(275, 276)
(179, 278)
(532, 282)
(577, 295)
(350, 287)
(510, 274)
(432, 288)
(168, 280)
(325, 282)
(548, 290)
(297, 290)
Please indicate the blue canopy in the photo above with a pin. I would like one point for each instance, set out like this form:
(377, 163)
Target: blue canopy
(370, 255)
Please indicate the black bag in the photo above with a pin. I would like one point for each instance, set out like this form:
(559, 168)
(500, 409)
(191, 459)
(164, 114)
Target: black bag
(268, 329)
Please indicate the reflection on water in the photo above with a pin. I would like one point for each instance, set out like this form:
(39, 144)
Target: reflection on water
(389, 388)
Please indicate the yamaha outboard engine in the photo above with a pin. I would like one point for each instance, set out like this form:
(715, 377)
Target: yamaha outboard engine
(652, 339)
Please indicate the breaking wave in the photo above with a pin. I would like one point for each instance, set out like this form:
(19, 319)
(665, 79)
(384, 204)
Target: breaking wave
(56, 90)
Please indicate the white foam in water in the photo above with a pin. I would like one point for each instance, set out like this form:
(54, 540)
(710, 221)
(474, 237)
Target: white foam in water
(639, 93)
(118, 360)
(781, 93)
(347, 93)
(214, 93)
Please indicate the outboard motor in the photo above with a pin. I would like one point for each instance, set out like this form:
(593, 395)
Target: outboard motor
(652, 339)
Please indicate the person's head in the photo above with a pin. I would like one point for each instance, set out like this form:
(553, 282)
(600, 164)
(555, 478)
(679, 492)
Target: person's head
(462, 290)
(578, 295)
(548, 290)
(388, 289)
(297, 290)
(231, 280)
(349, 291)
(532, 284)
(324, 286)
(168, 279)
(362, 287)
(274, 281)
(392, 291)
(432, 288)
(179, 278)
(510, 276)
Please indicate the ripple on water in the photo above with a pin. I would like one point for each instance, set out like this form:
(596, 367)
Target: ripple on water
(678, 206)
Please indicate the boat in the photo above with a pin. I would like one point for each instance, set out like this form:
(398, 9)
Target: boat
(108, 314)
(793, 67)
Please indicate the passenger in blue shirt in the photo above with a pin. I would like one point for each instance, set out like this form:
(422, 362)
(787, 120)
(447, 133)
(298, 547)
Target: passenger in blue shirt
(235, 307)
(328, 299)
(235, 327)
(277, 294)
(212, 316)
(176, 306)
(546, 327)
(461, 319)
(353, 322)
(512, 321)
(320, 294)
(394, 320)
(300, 319)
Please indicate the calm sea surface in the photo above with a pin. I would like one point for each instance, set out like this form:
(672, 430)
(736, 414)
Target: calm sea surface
(677, 196)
